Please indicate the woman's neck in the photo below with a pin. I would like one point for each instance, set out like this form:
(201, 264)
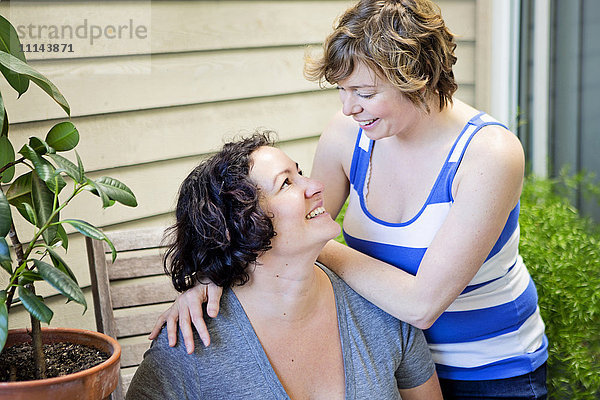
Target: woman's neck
(437, 126)
(286, 290)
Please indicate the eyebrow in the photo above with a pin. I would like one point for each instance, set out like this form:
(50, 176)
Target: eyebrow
(285, 171)
(359, 86)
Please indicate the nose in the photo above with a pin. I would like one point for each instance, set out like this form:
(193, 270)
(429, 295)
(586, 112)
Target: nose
(312, 188)
(349, 104)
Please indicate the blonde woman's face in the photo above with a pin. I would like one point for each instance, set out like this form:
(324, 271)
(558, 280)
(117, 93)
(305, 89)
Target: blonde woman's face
(375, 104)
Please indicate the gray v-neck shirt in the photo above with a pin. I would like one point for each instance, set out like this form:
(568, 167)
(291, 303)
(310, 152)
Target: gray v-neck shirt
(381, 354)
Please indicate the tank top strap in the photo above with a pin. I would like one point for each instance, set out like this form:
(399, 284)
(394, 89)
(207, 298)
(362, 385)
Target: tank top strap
(473, 126)
(462, 142)
(360, 159)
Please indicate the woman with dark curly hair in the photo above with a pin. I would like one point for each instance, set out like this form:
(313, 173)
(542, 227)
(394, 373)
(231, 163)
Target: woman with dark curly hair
(248, 220)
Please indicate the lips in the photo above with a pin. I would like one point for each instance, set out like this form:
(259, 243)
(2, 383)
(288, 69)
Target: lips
(315, 212)
(367, 123)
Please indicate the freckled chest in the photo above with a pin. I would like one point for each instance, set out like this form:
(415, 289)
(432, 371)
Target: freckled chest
(399, 181)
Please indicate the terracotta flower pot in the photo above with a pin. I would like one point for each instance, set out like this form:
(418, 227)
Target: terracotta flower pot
(95, 383)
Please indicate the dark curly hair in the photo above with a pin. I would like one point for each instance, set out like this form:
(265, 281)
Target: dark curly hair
(405, 41)
(220, 229)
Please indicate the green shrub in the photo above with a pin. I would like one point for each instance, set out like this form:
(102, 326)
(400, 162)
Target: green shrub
(561, 250)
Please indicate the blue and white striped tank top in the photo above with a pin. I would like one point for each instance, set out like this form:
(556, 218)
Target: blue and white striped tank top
(493, 329)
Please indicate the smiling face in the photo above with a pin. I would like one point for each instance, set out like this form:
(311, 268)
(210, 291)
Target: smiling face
(296, 202)
(379, 107)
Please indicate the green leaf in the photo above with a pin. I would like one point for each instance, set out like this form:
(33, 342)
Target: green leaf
(63, 136)
(62, 234)
(7, 155)
(85, 228)
(61, 282)
(5, 124)
(117, 191)
(27, 277)
(2, 113)
(5, 259)
(59, 263)
(35, 305)
(18, 66)
(27, 211)
(90, 230)
(40, 146)
(80, 166)
(19, 195)
(20, 187)
(43, 169)
(98, 190)
(56, 181)
(43, 200)
(9, 43)
(5, 215)
(70, 169)
(3, 319)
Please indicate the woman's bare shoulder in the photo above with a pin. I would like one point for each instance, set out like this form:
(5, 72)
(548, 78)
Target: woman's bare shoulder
(494, 158)
(341, 127)
(496, 146)
(338, 138)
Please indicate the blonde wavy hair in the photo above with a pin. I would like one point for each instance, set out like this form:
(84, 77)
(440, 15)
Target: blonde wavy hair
(405, 41)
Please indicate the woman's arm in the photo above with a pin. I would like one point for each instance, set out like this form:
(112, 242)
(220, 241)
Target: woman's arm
(487, 187)
(430, 390)
(331, 164)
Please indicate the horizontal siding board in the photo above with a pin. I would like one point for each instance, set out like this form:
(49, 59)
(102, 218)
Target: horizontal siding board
(170, 26)
(129, 83)
(66, 315)
(459, 16)
(132, 83)
(464, 69)
(185, 26)
(466, 93)
(176, 132)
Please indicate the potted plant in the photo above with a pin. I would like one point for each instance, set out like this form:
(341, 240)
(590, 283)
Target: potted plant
(39, 195)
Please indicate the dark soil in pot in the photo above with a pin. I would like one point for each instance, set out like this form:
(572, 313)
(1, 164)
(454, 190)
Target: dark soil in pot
(16, 362)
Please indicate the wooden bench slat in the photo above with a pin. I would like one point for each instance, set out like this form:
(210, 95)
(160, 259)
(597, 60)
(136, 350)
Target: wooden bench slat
(126, 377)
(137, 324)
(135, 267)
(142, 239)
(132, 350)
(143, 293)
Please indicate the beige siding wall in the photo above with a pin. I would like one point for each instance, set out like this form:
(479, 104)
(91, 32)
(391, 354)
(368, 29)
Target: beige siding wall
(148, 109)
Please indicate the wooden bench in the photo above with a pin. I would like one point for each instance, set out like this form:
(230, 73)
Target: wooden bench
(130, 294)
